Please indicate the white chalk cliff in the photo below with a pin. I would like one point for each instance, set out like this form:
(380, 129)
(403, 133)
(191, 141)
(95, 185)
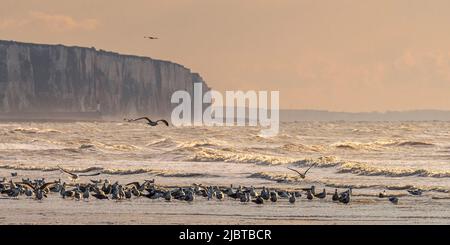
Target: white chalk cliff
(56, 78)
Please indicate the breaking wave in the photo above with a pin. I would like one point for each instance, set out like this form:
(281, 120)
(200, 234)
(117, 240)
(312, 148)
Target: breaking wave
(241, 156)
(280, 178)
(112, 171)
(104, 146)
(156, 172)
(96, 145)
(49, 169)
(34, 130)
(379, 145)
(414, 143)
(28, 147)
(164, 142)
(200, 143)
(212, 155)
(364, 169)
(367, 170)
(321, 162)
(301, 148)
(376, 145)
(356, 146)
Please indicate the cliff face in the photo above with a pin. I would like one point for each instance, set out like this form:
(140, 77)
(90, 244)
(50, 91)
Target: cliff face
(56, 78)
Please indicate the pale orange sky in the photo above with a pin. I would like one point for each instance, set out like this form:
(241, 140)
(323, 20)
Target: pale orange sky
(342, 55)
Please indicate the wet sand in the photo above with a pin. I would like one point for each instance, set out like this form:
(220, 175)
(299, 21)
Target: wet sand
(56, 210)
(363, 209)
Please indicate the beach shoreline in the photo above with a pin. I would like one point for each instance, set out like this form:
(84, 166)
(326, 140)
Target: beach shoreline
(363, 209)
(55, 210)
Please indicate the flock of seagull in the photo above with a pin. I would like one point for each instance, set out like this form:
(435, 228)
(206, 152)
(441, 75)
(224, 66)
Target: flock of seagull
(105, 189)
(149, 121)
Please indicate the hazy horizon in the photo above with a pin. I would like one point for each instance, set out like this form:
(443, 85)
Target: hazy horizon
(344, 56)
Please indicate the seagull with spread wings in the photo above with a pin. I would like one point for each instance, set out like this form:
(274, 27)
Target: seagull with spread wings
(149, 121)
(74, 176)
(302, 175)
(151, 38)
(39, 191)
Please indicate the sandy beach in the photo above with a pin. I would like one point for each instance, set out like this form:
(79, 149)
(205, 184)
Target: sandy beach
(363, 209)
(370, 157)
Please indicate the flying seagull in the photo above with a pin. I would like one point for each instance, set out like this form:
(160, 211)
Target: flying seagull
(302, 175)
(74, 176)
(151, 38)
(149, 122)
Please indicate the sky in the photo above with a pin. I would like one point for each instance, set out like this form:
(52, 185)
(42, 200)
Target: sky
(338, 55)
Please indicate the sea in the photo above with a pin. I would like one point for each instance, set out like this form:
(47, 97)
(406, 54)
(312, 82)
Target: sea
(367, 156)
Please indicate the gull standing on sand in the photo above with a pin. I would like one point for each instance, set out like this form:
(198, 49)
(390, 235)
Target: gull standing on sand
(168, 196)
(13, 191)
(189, 196)
(273, 196)
(243, 198)
(321, 195)
(259, 200)
(77, 194)
(40, 194)
(292, 198)
(128, 193)
(219, 195)
(335, 195)
(265, 193)
(86, 193)
(415, 192)
(283, 194)
(136, 192)
(99, 194)
(28, 192)
(344, 197)
(309, 196)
